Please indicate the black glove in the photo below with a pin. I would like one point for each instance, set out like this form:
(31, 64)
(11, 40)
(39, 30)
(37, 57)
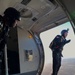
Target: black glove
(68, 41)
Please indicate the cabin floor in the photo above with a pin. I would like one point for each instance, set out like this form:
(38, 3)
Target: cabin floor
(67, 67)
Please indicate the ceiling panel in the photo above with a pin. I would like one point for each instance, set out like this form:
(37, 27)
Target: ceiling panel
(43, 13)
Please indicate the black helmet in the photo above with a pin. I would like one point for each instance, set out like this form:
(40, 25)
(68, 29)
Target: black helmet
(64, 31)
(12, 13)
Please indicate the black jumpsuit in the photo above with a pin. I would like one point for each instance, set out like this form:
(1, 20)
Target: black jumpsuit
(3, 39)
(59, 42)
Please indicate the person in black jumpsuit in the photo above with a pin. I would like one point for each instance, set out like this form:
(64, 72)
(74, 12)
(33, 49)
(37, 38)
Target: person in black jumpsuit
(10, 19)
(58, 42)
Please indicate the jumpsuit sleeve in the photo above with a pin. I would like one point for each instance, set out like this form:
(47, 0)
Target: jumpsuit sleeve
(60, 42)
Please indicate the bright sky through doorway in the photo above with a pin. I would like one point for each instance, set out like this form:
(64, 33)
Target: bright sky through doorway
(47, 37)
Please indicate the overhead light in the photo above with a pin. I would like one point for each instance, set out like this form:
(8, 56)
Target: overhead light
(26, 13)
(25, 2)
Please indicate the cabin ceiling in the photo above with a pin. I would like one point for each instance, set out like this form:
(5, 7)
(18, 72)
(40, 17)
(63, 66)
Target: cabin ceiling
(37, 15)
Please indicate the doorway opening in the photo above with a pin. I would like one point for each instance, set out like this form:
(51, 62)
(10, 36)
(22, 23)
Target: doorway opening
(68, 51)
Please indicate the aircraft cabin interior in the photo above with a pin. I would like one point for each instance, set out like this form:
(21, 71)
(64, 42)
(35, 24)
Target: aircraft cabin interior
(24, 53)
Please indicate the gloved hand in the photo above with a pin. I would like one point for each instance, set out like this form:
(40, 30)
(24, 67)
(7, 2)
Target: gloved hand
(68, 41)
